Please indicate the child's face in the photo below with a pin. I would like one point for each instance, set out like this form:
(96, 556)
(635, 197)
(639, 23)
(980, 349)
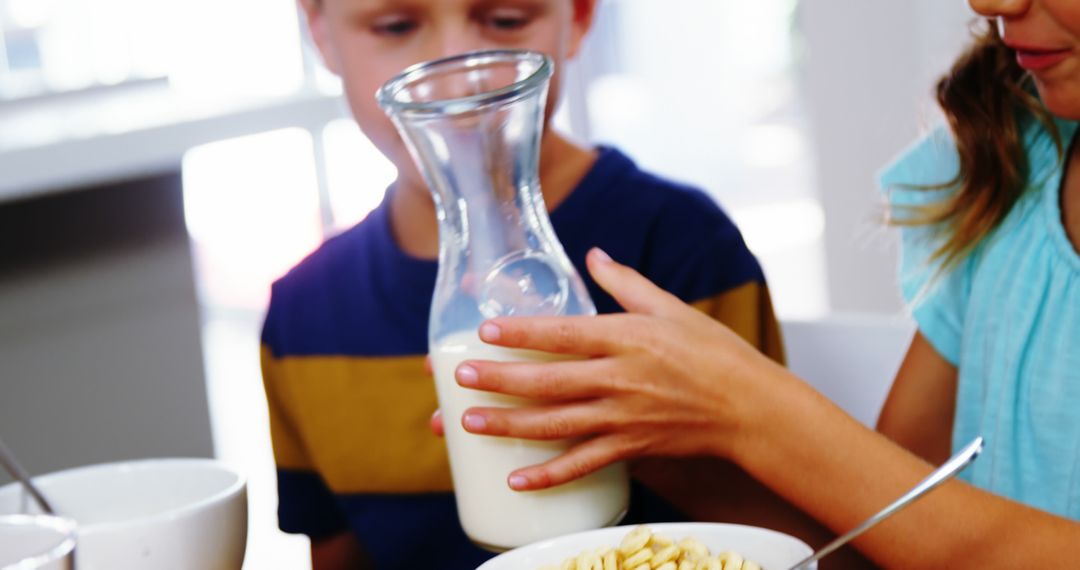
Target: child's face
(1046, 37)
(367, 42)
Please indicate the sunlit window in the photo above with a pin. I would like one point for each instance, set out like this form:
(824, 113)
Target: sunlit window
(252, 209)
(357, 173)
(717, 104)
(202, 48)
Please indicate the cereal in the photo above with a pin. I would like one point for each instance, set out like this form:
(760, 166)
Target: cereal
(659, 541)
(589, 561)
(611, 560)
(642, 556)
(635, 541)
(666, 555)
(640, 549)
(730, 560)
(693, 548)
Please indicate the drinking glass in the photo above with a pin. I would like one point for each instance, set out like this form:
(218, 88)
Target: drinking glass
(32, 542)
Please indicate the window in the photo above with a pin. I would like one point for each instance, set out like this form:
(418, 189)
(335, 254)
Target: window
(714, 101)
(201, 47)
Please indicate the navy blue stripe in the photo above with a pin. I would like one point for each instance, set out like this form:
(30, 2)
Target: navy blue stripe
(404, 532)
(360, 295)
(306, 506)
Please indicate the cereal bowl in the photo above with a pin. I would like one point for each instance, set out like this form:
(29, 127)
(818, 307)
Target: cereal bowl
(164, 514)
(770, 549)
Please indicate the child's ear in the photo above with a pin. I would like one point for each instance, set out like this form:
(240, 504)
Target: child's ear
(584, 11)
(316, 24)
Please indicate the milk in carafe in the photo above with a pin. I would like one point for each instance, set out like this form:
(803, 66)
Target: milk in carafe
(492, 513)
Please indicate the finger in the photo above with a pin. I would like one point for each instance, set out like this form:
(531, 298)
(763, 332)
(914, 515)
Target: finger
(629, 288)
(436, 423)
(543, 423)
(566, 380)
(427, 366)
(582, 336)
(581, 460)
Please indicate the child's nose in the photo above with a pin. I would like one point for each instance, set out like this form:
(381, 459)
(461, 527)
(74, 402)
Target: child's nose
(453, 41)
(1001, 8)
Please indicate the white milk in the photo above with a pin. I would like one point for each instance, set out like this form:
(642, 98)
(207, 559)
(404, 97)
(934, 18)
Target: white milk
(492, 514)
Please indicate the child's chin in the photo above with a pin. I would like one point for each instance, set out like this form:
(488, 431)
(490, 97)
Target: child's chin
(1062, 98)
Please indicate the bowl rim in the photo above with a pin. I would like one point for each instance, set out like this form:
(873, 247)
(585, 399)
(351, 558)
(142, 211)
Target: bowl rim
(65, 527)
(655, 527)
(234, 488)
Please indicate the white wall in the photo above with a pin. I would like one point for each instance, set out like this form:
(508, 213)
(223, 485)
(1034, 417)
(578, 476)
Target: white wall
(868, 71)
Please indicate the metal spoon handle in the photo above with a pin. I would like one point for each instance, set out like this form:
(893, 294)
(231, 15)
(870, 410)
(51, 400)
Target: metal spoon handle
(954, 465)
(12, 466)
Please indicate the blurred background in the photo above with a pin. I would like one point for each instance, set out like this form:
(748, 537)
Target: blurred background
(161, 162)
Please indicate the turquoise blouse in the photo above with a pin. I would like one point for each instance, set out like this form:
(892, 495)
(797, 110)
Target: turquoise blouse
(1008, 316)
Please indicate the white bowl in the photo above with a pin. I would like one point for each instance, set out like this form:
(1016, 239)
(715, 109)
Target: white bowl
(157, 513)
(772, 550)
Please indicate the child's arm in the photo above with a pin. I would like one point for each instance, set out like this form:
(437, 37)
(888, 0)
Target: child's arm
(918, 414)
(666, 380)
(841, 473)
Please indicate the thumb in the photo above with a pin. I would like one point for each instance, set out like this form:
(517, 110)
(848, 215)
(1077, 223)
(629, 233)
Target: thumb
(629, 288)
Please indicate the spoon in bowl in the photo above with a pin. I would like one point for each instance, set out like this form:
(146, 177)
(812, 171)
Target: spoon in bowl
(12, 466)
(950, 468)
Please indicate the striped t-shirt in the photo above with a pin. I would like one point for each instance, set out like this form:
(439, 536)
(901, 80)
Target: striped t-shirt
(346, 334)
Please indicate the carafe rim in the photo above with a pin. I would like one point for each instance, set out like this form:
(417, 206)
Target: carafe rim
(388, 95)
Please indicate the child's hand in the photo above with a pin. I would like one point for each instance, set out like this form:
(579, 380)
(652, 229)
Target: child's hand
(663, 379)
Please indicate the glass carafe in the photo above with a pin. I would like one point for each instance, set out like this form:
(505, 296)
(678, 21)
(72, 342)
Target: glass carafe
(473, 125)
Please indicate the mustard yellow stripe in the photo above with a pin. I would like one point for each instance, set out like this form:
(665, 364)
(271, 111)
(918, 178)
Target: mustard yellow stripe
(289, 449)
(362, 423)
(748, 311)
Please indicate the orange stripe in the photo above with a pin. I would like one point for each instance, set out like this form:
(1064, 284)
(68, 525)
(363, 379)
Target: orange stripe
(748, 311)
(362, 423)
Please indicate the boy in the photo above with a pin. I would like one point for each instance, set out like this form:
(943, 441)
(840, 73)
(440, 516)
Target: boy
(346, 332)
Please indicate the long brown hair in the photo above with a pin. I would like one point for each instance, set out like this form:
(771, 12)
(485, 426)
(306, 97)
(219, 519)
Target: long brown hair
(987, 99)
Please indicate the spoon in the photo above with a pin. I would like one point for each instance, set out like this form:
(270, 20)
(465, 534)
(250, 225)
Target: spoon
(954, 465)
(12, 466)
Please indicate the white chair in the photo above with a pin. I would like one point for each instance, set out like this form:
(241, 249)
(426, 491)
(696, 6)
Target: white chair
(851, 359)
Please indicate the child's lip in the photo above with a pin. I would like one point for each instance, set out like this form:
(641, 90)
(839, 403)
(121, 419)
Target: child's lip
(1035, 58)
